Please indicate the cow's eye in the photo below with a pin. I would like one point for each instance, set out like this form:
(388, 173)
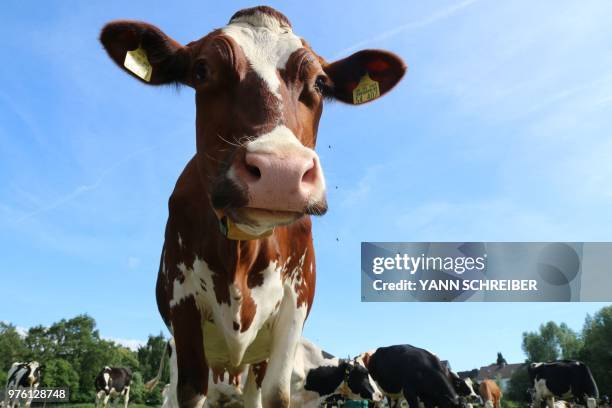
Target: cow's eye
(200, 71)
(321, 84)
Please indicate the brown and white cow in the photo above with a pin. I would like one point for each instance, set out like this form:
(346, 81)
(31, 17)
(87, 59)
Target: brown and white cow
(490, 393)
(237, 273)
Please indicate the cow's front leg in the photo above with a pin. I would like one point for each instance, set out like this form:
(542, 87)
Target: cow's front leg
(105, 402)
(29, 400)
(286, 333)
(99, 398)
(192, 384)
(252, 389)
(126, 398)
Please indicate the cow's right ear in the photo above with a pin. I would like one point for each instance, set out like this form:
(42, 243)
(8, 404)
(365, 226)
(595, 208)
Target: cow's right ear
(145, 52)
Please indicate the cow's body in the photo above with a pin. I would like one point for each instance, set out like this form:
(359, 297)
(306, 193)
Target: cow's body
(267, 294)
(237, 272)
(111, 383)
(565, 379)
(490, 394)
(411, 373)
(22, 376)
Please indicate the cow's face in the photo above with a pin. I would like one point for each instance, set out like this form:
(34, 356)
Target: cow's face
(34, 373)
(360, 384)
(259, 97)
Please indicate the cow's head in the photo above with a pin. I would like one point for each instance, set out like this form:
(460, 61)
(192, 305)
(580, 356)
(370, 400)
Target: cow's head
(259, 96)
(360, 384)
(35, 372)
(347, 378)
(463, 387)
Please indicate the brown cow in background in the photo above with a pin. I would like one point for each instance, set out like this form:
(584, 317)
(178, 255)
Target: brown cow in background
(490, 393)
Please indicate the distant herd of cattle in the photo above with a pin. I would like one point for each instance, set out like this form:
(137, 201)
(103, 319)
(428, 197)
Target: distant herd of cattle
(391, 375)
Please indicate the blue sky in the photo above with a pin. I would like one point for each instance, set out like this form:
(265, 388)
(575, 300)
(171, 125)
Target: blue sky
(501, 131)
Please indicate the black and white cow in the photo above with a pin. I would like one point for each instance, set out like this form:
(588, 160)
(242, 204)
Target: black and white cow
(113, 382)
(317, 375)
(405, 371)
(564, 379)
(22, 376)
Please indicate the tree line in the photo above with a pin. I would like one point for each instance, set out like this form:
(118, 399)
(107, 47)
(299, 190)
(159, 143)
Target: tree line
(592, 345)
(73, 353)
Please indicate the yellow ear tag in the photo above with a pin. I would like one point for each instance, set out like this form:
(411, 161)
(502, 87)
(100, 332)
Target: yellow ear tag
(366, 90)
(137, 62)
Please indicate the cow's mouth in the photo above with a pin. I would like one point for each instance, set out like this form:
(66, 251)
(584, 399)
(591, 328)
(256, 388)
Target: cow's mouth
(268, 216)
(236, 212)
(248, 223)
(262, 218)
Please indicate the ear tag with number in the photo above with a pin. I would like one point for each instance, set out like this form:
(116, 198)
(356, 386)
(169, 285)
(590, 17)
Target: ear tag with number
(366, 90)
(138, 63)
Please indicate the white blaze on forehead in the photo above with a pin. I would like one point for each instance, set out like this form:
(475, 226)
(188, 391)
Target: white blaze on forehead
(267, 44)
(278, 140)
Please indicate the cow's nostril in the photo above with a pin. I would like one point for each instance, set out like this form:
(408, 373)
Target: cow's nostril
(310, 175)
(254, 171)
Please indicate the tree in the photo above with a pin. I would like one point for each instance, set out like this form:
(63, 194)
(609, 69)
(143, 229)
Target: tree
(77, 344)
(597, 350)
(501, 361)
(149, 357)
(124, 357)
(137, 390)
(570, 343)
(551, 343)
(38, 345)
(518, 385)
(59, 373)
(12, 349)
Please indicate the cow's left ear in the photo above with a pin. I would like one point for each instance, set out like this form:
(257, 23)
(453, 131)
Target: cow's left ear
(364, 76)
(146, 52)
(366, 359)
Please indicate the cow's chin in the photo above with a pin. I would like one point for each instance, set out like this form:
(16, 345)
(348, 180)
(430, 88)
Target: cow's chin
(257, 221)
